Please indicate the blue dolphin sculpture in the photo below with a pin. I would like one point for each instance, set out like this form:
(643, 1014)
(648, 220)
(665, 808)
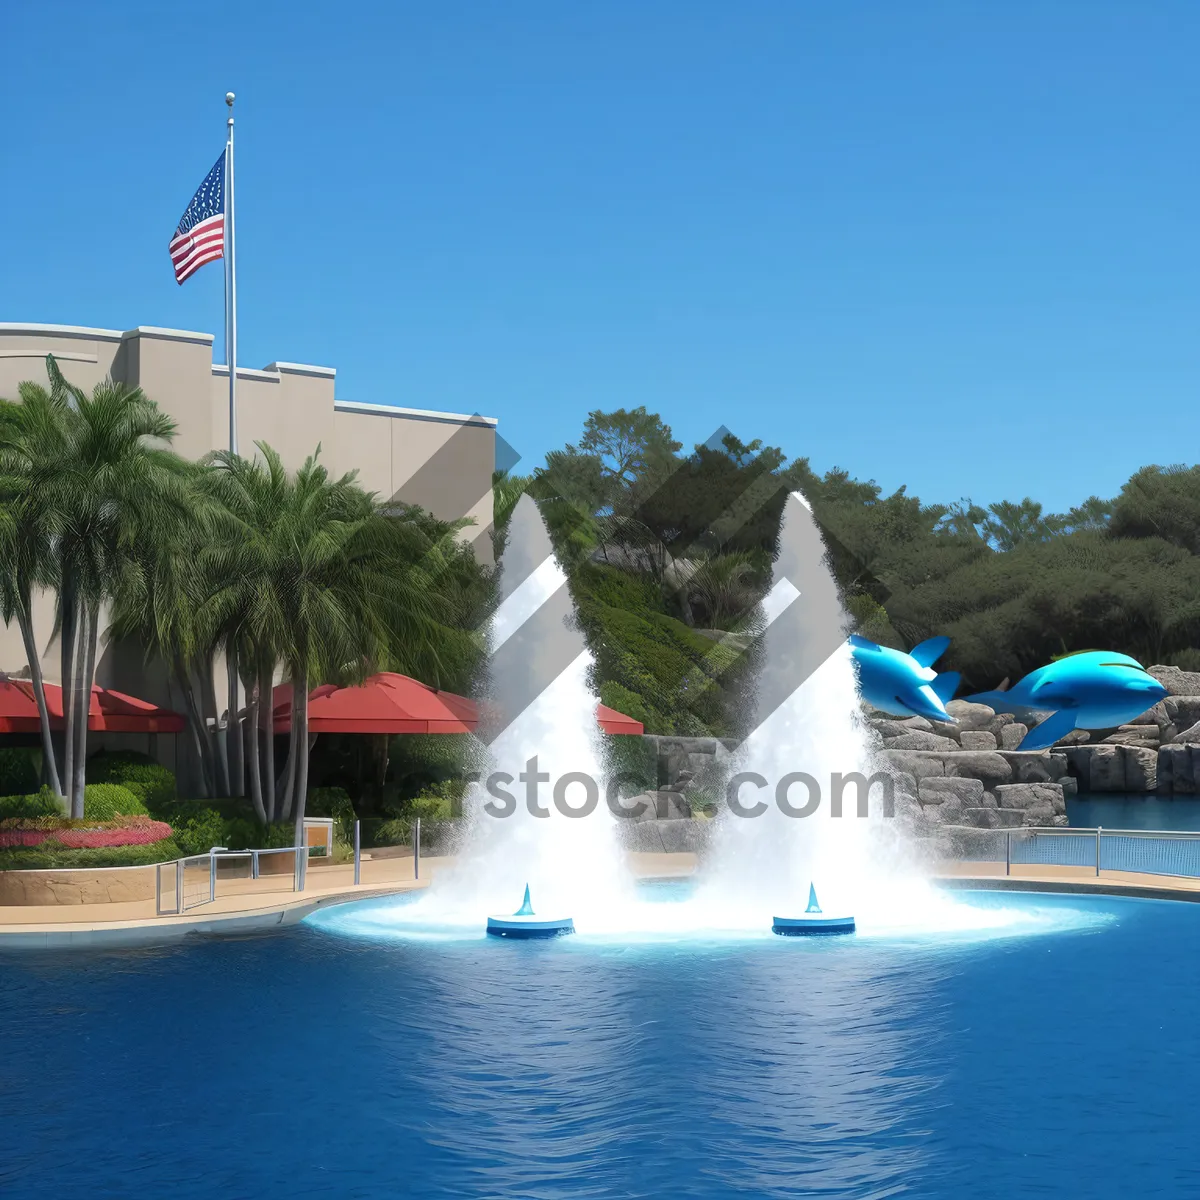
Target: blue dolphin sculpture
(1095, 690)
(904, 685)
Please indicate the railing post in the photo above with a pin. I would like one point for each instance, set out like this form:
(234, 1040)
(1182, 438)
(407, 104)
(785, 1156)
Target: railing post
(212, 877)
(1099, 831)
(158, 912)
(1008, 852)
(253, 864)
(179, 885)
(357, 854)
(417, 850)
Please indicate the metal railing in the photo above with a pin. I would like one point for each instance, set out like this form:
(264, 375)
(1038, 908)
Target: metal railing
(416, 850)
(187, 883)
(1138, 851)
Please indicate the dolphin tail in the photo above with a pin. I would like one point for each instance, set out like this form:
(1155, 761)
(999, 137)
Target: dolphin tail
(929, 651)
(1056, 725)
(945, 685)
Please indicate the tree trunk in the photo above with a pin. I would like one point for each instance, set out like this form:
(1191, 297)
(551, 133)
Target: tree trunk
(197, 726)
(252, 756)
(67, 637)
(266, 693)
(302, 747)
(293, 763)
(25, 622)
(233, 730)
(217, 748)
(89, 623)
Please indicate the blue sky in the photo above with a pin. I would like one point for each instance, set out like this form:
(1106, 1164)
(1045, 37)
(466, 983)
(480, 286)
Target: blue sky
(952, 245)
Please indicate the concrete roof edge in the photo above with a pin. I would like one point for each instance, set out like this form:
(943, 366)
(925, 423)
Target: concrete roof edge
(419, 414)
(290, 368)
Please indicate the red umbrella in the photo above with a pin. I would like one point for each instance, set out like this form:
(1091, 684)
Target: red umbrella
(109, 711)
(18, 709)
(612, 721)
(385, 703)
(391, 703)
(113, 712)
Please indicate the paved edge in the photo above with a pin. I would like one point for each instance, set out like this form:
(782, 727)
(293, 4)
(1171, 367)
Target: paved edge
(165, 931)
(103, 935)
(1074, 887)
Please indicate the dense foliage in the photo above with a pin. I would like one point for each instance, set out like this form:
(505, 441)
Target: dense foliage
(300, 575)
(669, 554)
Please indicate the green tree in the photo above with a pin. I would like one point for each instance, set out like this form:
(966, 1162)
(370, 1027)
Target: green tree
(1011, 524)
(633, 447)
(99, 477)
(318, 582)
(30, 451)
(1160, 502)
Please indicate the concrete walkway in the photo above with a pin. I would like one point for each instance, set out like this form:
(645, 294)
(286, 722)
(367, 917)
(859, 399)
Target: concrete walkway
(245, 906)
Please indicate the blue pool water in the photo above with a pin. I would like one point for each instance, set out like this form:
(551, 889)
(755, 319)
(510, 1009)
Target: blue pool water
(1060, 1061)
(1135, 810)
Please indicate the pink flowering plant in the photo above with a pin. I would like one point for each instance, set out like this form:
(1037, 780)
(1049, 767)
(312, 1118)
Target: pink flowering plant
(82, 835)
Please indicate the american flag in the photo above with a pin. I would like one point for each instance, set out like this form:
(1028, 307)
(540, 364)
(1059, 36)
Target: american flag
(200, 237)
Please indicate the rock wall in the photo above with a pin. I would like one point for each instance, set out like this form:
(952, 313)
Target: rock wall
(970, 773)
(967, 773)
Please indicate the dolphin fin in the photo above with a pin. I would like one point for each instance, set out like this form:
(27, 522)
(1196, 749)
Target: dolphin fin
(945, 685)
(862, 643)
(999, 701)
(929, 651)
(1055, 726)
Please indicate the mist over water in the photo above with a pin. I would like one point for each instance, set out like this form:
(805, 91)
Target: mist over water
(541, 707)
(807, 719)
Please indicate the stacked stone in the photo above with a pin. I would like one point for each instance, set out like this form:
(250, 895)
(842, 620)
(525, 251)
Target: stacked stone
(970, 772)
(1159, 752)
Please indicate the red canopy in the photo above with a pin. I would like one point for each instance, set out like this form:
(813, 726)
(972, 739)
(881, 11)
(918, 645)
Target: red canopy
(612, 721)
(391, 703)
(18, 709)
(385, 703)
(108, 711)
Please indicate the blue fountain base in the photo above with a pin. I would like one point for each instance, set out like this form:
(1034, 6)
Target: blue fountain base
(808, 925)
(529, 927)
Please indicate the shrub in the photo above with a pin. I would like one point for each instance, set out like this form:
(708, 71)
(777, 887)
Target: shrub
(38, 804)
(104, 801)
(52, 854)
(202, 832)
(333, 802)
(19, 773)
(149, 780)
(431, 806)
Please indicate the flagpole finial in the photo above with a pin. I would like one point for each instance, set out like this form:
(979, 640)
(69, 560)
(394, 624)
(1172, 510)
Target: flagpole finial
(229, 99)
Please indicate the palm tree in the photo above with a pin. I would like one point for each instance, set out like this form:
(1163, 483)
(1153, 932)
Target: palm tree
(158, 604)
(1010, 524)
(316, 581)
(724, 585)
(101, 475)
(31, 449)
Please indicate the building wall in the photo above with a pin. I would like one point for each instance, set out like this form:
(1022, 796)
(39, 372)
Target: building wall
(441, 461)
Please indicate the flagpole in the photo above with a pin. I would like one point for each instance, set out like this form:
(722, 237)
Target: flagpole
(231, 284)
(233, 728)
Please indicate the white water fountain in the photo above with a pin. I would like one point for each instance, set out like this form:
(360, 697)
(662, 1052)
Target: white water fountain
(807, 718)
(538, 705)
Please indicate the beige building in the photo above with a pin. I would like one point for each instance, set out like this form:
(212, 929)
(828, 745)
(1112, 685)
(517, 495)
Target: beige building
(441, 461)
